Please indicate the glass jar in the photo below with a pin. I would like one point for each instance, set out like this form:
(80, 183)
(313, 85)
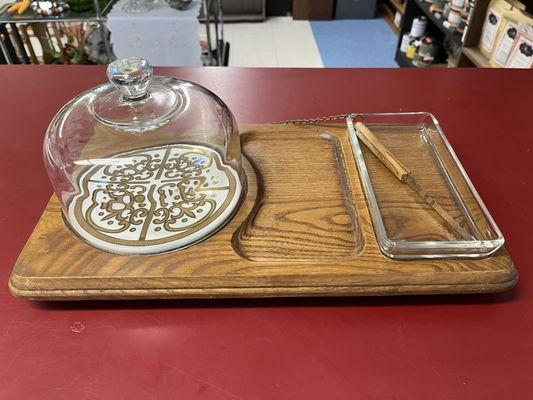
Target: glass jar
(144, 164)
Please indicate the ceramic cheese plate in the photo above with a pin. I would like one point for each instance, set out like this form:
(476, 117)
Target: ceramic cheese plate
(154, 200)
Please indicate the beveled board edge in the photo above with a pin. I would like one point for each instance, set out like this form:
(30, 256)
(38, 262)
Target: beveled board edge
(264, 292)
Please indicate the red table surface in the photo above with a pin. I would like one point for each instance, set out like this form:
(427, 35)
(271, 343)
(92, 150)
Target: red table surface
(442, 347)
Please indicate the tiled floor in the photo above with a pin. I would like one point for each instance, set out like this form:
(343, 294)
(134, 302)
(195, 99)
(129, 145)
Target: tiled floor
(277, 42)
(356, 43)
(283, 42)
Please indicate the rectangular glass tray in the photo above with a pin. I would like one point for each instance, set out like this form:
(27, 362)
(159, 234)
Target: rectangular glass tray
(406, 226)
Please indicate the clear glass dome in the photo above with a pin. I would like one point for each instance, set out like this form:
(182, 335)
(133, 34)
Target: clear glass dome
(144, 164)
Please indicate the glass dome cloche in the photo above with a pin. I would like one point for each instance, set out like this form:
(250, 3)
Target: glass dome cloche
(144, 164)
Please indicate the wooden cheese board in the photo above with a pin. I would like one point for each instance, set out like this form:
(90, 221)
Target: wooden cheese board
(303, 228)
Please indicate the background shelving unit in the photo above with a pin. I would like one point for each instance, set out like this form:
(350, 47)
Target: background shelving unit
(435, 29)
(468, 51)
(470, 55)
(388, 9)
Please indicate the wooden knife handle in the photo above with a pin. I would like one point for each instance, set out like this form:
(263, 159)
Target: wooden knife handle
(381, 152)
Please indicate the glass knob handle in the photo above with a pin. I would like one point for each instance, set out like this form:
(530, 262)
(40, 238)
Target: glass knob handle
(131, 76)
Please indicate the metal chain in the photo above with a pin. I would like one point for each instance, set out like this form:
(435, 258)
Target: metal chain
(314, 120)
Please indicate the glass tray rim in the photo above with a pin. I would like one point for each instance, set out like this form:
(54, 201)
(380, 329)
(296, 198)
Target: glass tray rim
(442, 249)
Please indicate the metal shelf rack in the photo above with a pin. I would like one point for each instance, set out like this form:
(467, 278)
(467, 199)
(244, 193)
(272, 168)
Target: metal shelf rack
(217, 55)
(8, 53)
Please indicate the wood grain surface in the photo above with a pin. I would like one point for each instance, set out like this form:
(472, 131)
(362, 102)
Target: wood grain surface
(385, 156)
(303, 229)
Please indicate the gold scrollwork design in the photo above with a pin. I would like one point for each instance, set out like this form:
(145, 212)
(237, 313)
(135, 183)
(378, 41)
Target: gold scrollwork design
(154, 195)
